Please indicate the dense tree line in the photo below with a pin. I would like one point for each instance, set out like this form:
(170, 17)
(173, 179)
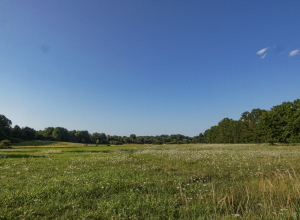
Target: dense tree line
(279, 124)
(17, 134)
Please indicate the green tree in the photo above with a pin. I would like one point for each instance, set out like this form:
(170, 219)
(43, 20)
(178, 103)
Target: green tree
(48, 133)
(60, 134)
(28, 133)
(39, 135)
(83, 137)
(16, 132)
(269, 129)
(292, 119)
(5, 128)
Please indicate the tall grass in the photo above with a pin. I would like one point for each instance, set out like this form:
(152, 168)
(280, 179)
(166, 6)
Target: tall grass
(152, 182)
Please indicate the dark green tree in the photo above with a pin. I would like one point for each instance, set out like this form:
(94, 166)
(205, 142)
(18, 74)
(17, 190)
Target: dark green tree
(5, 128)
(48, 133)
(28, 133)
(16, 132)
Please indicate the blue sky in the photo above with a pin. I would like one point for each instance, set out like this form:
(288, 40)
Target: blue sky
(145, 67)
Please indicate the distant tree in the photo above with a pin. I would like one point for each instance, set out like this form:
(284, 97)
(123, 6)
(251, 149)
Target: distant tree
(39, 135)
(291, 117)
(48, 133)
(132, 138)
(83, 137)
(28, 133)
(16, 132)
(125, 140)
(60, 134)
(185, 141)
(140, 140)
(5, 128)
(269, 128)
(95, 137)
(157, 142)
(249, 123)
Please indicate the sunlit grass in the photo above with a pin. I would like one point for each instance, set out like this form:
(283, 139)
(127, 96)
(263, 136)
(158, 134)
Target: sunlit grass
(151, 182)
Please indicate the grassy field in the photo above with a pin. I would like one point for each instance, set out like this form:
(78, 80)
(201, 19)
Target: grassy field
(195, 181)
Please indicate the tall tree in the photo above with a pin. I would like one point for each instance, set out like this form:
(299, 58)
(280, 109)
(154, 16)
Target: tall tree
(16, 132)
(28, 133)
(5, 128)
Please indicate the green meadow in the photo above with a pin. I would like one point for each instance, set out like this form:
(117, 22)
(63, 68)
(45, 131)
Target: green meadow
(56, 180)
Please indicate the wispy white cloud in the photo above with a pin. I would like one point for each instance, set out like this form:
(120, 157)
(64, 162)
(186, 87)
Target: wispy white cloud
(262, 51)
(264, 56)
(294, 53)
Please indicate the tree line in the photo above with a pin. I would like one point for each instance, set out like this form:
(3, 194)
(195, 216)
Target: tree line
(280, 124)
(17, 134)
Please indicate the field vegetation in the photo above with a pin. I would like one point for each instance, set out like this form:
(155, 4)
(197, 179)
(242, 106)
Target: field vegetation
(187, 181)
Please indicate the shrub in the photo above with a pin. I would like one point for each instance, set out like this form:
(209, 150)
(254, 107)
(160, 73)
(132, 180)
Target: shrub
(157, 142)
(5, 144)
(186, 141)
(116, 143)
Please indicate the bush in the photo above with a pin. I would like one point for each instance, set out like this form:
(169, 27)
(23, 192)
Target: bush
(116, 143)
(5, 144)
(185, 141)
(157, 142)
(179, 142)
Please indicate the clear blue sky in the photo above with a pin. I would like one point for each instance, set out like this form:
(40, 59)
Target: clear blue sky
(145, 67)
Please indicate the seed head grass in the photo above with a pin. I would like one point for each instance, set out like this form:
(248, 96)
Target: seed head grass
(195, 181)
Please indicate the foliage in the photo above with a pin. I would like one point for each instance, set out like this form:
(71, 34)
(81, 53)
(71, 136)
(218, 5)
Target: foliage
(5, 128)
(28, 133)
(115, 143)
(16, 132)
(5, 144)
(280, 124)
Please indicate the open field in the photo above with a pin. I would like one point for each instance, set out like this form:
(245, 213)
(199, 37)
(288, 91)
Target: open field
(194, 181)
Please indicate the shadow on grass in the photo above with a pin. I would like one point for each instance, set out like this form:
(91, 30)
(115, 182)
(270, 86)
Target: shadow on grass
(17, 156)
(99, 151)
(33, 143)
